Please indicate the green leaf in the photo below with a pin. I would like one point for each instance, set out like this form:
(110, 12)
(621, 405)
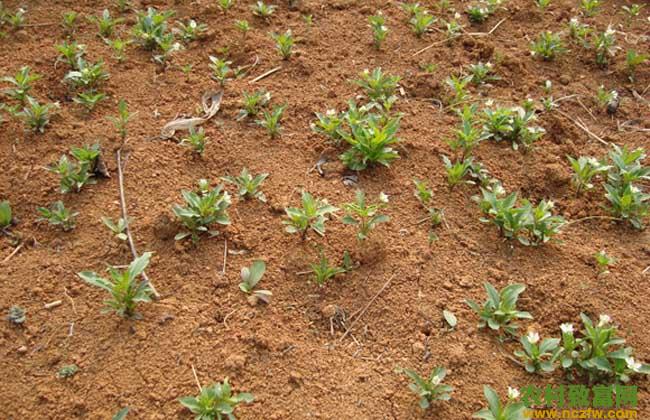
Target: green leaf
(121, 415)
(93, 279)
(139, 264)
(492, 398)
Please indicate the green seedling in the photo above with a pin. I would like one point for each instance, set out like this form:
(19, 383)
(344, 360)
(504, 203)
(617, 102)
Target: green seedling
(379, 29)
(151, 28)
(323, 271)
(512, 124)
(250, 277)
(421, 23)
(67, 371)
(124, 287)
(36, 116)
(543, 4)
(191, 31)
(584, 170)
(6, 216)
(604, 261)
(69, 22)
(605, 46)
(370, 143)
(312, 215)
(16, 315)
(500, 309)
(284, 43)
(196, 140)
(538, 356)
(118, 228)
(221, 70)
(123, 6)
(58, 215)
(86, 76)
(605, 97)
(216, 402)
(590, 7)
(469, 135)
(122, 119)
(632, 61)
(510, 410)
(377, 85)
(263, 10)
(363, 215)
(482, 73)
(329, 124)
(243, 26)
(422, 192)
(119, 48)
(429, 389)
(89, 100)
(458, 87)
(226, 5)
(74, 175)
(478, 13)
(203, 208)
(547, 46)
(248, 186)
(579, 31)
(105, 23)
(457, 171)
(70, 53)
(412, 9)
(16, 20)
(22, 84)
(253, 102)
(271, 120)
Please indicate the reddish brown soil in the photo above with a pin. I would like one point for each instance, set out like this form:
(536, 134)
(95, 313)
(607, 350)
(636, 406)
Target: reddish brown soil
(284, 353)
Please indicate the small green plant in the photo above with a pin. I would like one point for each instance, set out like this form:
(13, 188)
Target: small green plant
(6, 216)
(122, 6)
(604, 261)
(547, 46)
(226, 5)
(89, 100)
(511, 410)
(243, 26)
(67, 371)
(469, 135)
(584, 169)
(482, 73)
(627, 201)
(253, 102)
(191, 31)
(421, 23)
(529, 225)
(329, 124)
(478, 13)
(363, 215)
(500, 309)
(196, 140)
(216, 402)
(371, 142)
(605, 97)
(543, 4)
(422, 192)
(248, 186)
(590, 7)
(512, 124)
(86, 76)
(122, 413)
(284, 43)
(457, 171)
(22, 84)
(118, 228)
(378, 85)
(125, 289)
(263, 10)
(453, 29)
(429, 389)
(105, 23)
(538, 356)
(412, 9)
(69, 22)
(579, 31)
(379, 29)
(323, 271)
(16, 20)
(271, 120)
(151, 28)
(35, 115)
(312, 215)
(458, 87)
(605, 46)
(16, 315)
(70, 53)
(632, 61)
(221, 70)
(632, 11)
(250, 276)
(58, 215)
(119, 48)
(203, 208)
(74, 175)
(122, 119)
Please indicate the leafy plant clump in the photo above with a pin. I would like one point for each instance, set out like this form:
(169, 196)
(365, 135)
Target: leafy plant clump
(363, 215)
(512, 124)
(74, 174)
(248, 186)
(250, 277)
(626, 198)
(500, 309)
(124, 287)
(538, 356)
(58, 215)
(528, 224)
(203, 208)
(216, 402)
(429, 389)
(323, 271)
(16, 315)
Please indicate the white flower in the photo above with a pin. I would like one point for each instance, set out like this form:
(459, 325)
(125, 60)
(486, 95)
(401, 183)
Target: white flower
(604, 320)
(633, 364)
(610, 31)
(513, 393)
(436, 380)
(567, 328)
(574, 20)
(533, 337)
(456, 15)
(330, 112)
(383, 197)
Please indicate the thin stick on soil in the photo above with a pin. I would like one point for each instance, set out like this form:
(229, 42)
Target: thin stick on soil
(365, 308)
(196, 378)
(125, 216)
(14, 252)
(583, 127)
(225, 256)
(618, 219)
(428, 47)
(491, 30)
(264, 75)
(646, 270)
